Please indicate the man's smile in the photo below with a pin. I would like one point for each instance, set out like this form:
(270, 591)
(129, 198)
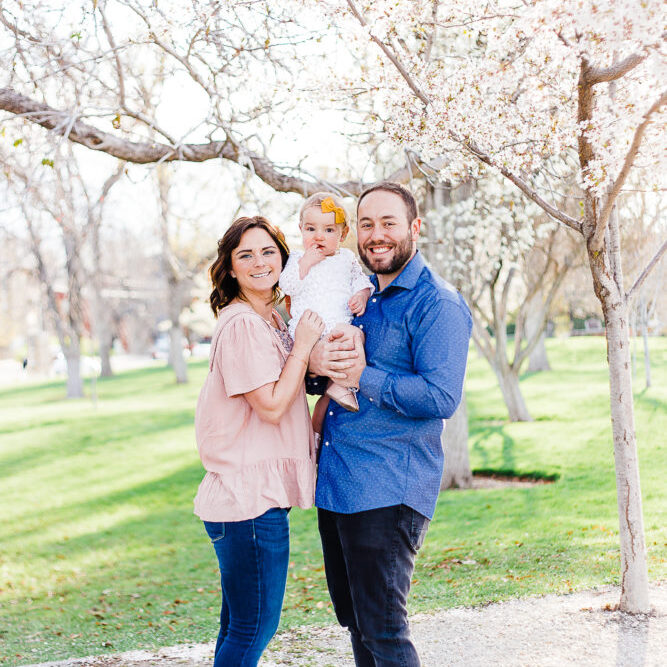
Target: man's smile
(379, 249)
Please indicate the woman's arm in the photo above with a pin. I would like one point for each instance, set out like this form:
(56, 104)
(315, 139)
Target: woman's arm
(272, 400)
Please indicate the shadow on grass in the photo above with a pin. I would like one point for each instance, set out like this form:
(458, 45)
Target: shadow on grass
(511, 474)
(650, 402)
(154, 497)
(93, 433)
(479, 439)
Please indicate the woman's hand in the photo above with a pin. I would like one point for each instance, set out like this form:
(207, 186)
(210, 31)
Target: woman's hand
(308, 331)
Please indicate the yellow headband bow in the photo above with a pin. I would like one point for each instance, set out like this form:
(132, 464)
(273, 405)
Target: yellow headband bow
(329, 206)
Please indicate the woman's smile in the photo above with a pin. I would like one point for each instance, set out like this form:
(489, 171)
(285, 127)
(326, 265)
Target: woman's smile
(256, 263)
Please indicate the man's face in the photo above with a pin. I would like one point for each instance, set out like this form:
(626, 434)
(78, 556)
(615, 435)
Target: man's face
(386, 238)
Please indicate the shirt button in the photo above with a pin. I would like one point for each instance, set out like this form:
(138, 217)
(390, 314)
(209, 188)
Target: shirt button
(326, 443)
(373, 300)
(370, 399)
(361, 326)
(330, 413)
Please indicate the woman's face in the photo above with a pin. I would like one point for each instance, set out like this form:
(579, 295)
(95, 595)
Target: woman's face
(256, 262)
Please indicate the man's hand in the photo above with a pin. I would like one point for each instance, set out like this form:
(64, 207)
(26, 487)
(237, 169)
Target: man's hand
(332, 357)
(358, 301)
(312, 255)
(353, 373)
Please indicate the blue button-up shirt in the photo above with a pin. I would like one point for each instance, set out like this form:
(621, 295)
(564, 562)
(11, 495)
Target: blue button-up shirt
(389, 453)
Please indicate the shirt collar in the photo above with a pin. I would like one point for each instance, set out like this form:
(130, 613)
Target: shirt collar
(408, 277)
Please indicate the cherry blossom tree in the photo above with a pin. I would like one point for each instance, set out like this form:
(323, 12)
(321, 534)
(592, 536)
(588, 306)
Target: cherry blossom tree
(513, 84)
(506, 87)
(500, 251)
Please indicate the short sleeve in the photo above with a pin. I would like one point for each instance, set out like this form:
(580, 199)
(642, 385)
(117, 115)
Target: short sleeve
(247, 355)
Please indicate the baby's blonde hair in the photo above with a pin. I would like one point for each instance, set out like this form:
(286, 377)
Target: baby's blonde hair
(315, 201)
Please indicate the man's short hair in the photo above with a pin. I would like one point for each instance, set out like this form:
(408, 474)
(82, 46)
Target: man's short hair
(398, 189)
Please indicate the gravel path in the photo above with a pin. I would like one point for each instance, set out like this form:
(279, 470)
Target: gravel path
(577, 629)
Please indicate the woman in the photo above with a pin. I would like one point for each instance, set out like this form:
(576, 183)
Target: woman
(254, 436)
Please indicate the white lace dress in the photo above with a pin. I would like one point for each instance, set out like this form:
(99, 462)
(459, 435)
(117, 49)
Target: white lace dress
(325, 289)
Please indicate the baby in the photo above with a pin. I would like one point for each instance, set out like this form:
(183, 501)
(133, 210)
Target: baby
(327, 279)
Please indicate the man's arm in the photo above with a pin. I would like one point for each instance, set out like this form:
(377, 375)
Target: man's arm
(330, 358)
(440, 351)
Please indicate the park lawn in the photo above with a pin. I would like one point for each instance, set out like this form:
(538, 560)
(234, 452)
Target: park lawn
(100, 551)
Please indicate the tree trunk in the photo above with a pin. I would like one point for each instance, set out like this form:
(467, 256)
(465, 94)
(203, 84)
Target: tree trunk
(644, 325)
(105, 356)
(74, 381)
(634, 574)
(176, 359)
(634, 577)
(456, 473)
(537, 361)
(509, 386)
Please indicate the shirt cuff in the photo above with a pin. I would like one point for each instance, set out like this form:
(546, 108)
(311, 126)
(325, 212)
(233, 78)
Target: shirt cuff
(371, 382)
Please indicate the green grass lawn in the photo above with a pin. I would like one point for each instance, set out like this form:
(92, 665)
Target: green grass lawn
(100, 551)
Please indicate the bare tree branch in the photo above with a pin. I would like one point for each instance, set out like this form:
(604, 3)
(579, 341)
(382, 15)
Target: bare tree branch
(414, 86)
(644, 274)
(468, 144)
(555, 213)
(596, 75)
(598, 236)
(524, 353)
(145, 152)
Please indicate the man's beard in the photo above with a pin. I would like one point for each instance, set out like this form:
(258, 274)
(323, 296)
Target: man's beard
(402, 253)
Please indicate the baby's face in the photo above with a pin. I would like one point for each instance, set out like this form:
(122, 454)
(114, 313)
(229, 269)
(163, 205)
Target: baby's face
(320, 229)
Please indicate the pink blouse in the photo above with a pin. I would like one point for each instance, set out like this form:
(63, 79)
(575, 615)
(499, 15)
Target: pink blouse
(251, 465)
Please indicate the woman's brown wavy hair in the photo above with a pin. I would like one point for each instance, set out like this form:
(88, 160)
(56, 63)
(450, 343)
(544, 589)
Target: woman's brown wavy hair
(225, 287)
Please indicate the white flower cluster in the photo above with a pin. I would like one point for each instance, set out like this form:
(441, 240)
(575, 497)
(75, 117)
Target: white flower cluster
(506, 77)
(493, 229)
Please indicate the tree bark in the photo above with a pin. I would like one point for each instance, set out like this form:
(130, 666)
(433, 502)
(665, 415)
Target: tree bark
(511, 390)
(103, 332)
(176, 359)
(537, 361)
(105, 342)
(634, 573)
(634, 577)
(456, 473)
(644, 325)
(72, 354)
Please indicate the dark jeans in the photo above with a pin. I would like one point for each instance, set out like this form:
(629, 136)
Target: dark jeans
(369, 558)
(253, 557)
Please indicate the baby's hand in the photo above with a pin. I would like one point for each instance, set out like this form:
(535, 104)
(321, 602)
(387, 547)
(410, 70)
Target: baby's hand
(312, 255)
(358, 301)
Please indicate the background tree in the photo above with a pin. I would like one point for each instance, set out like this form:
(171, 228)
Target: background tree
(49, 195)
(568, 80)
(501, 253)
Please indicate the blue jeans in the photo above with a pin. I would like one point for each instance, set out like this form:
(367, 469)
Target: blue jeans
(369, 558)
(253, 557)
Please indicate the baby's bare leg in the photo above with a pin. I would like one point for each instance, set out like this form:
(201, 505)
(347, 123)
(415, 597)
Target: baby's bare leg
(319, 412)
(350, 332)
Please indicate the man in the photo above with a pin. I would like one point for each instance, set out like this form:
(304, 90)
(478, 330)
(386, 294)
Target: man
(380, 469)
